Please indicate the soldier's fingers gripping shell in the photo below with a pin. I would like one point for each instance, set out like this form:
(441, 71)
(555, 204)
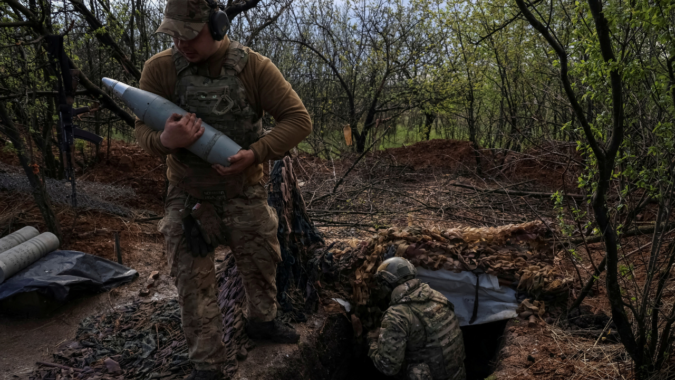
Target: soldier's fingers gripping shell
(188, 121)
(238, 163)
(198, 129)
(193, 124)
(192, 128)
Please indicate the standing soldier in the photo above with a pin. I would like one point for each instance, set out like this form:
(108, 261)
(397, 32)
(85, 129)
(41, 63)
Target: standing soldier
(420, 328)
(228, 86)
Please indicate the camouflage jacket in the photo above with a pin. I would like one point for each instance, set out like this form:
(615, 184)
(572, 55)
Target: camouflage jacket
(419, 328)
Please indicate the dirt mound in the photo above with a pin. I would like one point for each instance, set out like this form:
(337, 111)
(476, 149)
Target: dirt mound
(129, 165)
(553, 164)
(443, 154)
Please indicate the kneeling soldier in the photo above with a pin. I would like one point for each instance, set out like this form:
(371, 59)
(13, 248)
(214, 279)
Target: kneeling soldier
(420, 328)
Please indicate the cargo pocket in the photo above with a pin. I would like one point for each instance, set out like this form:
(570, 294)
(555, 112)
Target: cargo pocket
(273, 248)
(271, 241)
(172, 229)
(419, 371)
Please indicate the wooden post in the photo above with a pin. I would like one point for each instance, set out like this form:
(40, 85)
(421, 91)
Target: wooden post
(118, 249)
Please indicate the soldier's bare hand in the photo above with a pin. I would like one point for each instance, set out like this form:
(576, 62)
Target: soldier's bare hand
(181, 131)
(238, 163)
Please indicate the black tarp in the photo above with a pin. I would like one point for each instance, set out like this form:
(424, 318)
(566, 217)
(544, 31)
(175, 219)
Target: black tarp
(60, 276)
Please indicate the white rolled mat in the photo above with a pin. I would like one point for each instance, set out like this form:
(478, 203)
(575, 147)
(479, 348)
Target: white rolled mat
(15, 259)
(18, 237)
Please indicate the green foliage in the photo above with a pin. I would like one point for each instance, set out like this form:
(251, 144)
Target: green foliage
(9, 148)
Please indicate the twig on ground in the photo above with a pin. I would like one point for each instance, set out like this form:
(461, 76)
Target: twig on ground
(515, 192)
(47, 364)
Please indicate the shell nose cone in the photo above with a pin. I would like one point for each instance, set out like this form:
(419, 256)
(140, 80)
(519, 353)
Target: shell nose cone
(115, 86)
(109, 83)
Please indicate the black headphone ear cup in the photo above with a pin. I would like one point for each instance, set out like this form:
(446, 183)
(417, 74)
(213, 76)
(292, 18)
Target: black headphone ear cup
(219, 24)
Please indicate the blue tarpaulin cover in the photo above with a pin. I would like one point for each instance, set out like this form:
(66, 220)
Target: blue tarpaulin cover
(64, 274)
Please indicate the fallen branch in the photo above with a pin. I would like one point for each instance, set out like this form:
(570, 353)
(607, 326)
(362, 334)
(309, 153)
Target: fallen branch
(634, 232)
(148, 219)
(348, 224)
(344, 212)
(516, 192)
(47, 364)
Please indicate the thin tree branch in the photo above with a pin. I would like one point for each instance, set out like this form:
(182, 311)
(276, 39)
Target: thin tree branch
(94, 90)
(235, 9)
(104, 37)
(564, 77)
(15, 24)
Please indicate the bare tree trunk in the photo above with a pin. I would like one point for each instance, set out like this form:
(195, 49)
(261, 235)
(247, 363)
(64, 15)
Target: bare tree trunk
(429, 119)
(39, 192)
(132, 44)
(472, 132)
(605, 163)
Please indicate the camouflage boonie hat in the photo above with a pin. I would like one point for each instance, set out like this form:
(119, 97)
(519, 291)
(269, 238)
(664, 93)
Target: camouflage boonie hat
(184, 19)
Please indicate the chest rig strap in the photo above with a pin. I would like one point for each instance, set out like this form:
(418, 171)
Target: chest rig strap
(179, 61)
(221, 102)
(235, 59)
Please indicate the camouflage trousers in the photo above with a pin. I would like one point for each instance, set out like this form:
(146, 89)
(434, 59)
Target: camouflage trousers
(419, 372)
(252, 230)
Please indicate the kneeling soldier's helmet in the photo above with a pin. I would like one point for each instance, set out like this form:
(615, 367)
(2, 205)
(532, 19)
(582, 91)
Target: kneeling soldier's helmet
(395, 271)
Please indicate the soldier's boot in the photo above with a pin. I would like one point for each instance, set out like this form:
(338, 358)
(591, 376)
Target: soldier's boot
(274, 331)
(205, 375)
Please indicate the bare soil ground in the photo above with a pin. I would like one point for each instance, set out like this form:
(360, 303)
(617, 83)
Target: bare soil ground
(395, 187)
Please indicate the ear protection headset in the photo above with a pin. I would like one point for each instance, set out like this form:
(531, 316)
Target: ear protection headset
(219, 23)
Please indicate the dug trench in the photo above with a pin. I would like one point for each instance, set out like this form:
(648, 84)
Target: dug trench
(334, 353)
(481, 344)
(144, 340)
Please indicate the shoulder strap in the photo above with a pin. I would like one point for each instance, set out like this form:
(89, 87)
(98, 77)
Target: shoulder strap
(178, 60)
(420, 318)
(440, 298)
(236, 58)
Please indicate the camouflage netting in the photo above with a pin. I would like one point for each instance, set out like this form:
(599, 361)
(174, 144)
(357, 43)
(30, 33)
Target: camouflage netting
(297, 238)
(232, 302)
(516, 254)
(90, 195)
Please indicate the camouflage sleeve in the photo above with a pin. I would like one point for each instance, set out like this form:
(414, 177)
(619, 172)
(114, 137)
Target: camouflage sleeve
(388, 352)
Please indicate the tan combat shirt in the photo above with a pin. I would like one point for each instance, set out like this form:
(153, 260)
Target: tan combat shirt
(266, 89)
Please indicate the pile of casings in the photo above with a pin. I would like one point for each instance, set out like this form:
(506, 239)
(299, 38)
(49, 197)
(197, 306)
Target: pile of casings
(145, 339)
(142, 340)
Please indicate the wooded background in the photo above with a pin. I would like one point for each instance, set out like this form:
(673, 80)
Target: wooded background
(593, 77)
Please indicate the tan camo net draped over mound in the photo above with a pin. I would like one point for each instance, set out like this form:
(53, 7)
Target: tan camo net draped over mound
(514, 253)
